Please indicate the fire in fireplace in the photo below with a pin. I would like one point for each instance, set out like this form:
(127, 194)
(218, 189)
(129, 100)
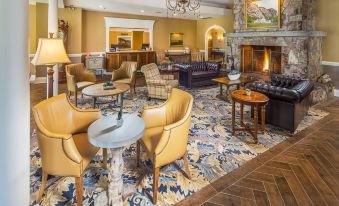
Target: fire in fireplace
(261, 59)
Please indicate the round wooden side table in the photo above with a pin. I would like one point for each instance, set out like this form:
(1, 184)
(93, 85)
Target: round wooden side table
(255, 100)
(97, 90)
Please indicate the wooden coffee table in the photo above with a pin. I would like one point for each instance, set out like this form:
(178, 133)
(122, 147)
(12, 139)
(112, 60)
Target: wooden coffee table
(255, 100)
(174, 71)
(95, 91)
(227, 82)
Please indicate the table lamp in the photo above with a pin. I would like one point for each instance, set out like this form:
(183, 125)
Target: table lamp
(50, 52)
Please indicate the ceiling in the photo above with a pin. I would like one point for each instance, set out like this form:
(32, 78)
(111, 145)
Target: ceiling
(209, 8)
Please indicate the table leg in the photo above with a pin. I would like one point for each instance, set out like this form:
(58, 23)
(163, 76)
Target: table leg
(241, 114)
(255, 133)
(233, 117)
(94, 102)
(263, 113)
(221, 90)
(228, 95)
(115, 186)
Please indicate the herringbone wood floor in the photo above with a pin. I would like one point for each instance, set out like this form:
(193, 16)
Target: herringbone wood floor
(303, 170)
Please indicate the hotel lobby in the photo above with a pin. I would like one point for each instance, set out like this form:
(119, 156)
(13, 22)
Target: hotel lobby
(169, 102)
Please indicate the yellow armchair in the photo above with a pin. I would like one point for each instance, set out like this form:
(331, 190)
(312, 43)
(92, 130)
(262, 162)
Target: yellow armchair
(166, 133)
(78, 78)
(62, 138)
(126, 74)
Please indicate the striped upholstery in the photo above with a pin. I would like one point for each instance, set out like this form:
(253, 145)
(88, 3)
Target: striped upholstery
(158, 86)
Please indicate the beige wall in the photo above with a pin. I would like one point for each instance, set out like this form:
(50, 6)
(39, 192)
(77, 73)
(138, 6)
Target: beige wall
(87, 29)
(327, 16)
(32, 29)
(225, 22)
(38, 26)
(74, 19)
(41, 21)
(95, 41)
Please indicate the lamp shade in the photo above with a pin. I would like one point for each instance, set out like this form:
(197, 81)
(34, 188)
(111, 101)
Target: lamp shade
(50, 51)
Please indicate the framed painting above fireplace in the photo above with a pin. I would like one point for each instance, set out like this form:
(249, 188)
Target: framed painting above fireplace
(262, 14)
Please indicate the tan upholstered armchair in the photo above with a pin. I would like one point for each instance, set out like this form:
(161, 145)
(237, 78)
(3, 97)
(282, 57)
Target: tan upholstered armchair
(166, 133)
(78, 78)
(126, 74)
(158, 86)
(62, 137)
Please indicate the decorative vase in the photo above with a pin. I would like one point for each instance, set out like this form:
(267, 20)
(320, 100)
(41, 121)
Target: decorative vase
(119, 122)
(248, 92)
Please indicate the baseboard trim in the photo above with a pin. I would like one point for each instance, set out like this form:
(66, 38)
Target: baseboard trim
(336, 92)
(330, 63)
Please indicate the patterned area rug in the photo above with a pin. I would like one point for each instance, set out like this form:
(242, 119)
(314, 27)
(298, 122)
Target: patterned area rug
(212, 152)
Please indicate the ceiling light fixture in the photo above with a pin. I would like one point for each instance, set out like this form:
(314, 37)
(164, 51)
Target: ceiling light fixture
(142, 11)
(183, 6)
(101, 7)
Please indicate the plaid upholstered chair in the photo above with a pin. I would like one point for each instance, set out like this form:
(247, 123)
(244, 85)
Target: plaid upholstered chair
(158, 86)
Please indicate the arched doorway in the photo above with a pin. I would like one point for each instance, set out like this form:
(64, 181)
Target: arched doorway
(209, 37)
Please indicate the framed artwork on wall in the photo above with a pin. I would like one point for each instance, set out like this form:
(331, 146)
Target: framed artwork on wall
(262, 14)
(176, 40)
(125, 42)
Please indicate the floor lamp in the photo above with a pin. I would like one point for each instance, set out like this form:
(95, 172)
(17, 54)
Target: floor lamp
(50, 52)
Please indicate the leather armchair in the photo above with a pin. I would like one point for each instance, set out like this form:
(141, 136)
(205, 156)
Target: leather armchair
(158, 86)
(78, 78)
(289, 100)
(126, 74)
(62, 138)
(166, 133)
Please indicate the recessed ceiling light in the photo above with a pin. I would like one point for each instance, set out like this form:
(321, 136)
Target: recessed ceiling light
(142, 11)
(174, 14)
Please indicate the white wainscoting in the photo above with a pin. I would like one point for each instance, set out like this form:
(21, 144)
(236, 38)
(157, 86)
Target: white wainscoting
(330, 63)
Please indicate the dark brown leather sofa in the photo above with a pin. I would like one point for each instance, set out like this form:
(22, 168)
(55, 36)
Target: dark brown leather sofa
(198, 73)
(289, 100)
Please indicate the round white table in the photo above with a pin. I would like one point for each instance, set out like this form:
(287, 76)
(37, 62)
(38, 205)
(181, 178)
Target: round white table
(105, 133)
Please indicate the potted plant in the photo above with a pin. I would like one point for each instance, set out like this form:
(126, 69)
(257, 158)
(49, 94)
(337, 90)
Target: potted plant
(248, 91)
(234, 75)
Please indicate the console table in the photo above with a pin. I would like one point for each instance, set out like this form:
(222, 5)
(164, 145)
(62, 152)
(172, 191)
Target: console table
(95, 63)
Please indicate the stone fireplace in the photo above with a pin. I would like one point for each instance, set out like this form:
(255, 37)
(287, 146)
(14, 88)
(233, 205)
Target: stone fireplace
(295, 48)
(260, 59)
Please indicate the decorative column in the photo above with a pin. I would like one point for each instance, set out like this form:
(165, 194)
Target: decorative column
(14, 103)
(53, 28)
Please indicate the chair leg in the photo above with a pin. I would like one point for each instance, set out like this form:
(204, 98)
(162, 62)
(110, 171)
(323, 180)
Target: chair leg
(78, 188)
(187, 166)
(43, 185)
(76, 98)
(156, 173)
(138, 153)
(104, 154)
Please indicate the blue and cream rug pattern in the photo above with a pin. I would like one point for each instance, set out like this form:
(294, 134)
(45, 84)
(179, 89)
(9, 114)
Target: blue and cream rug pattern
(212, 151)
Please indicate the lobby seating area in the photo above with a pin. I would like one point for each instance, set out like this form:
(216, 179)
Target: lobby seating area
(160, 103)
